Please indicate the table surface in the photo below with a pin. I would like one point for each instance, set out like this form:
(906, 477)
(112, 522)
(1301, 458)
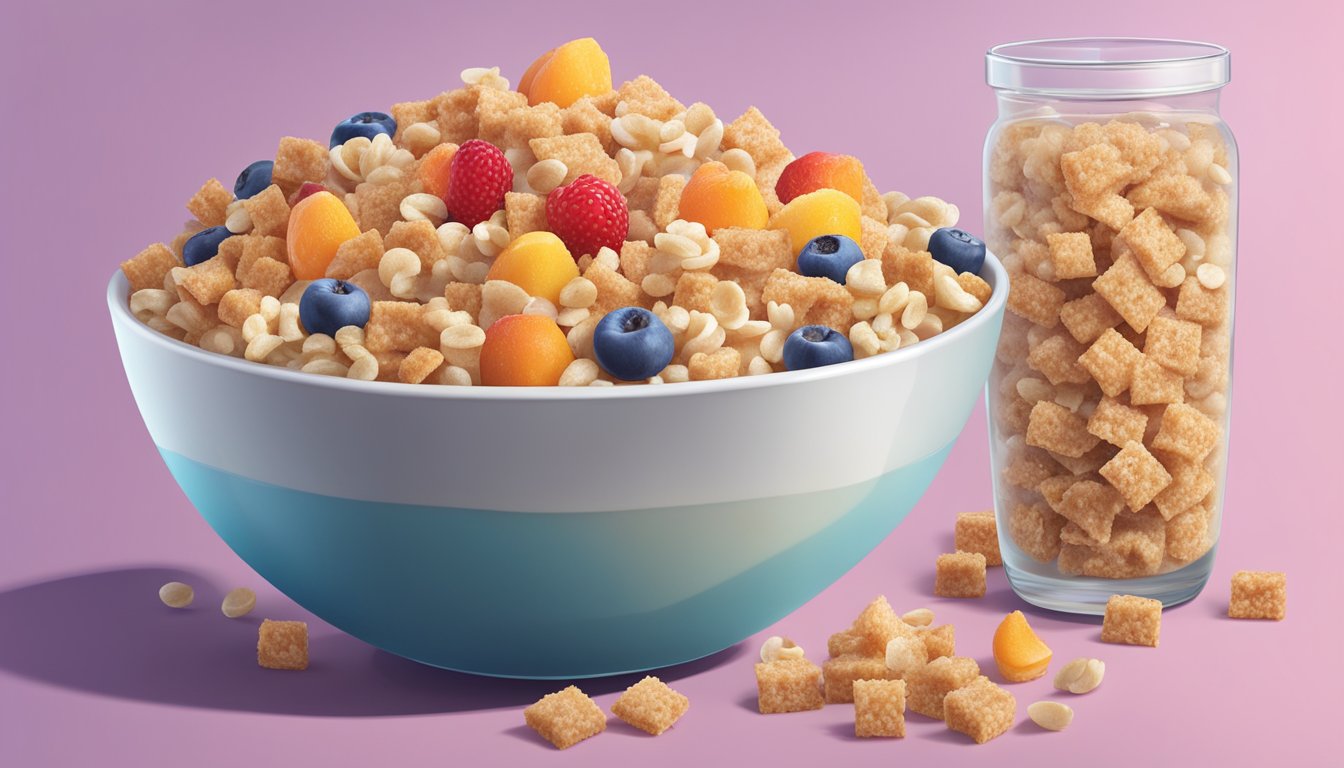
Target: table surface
(93, 670)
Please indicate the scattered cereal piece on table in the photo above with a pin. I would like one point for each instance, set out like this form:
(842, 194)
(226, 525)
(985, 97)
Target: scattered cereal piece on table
(282, 644)
(961, 574)
(1258, 595)
(977, 532)
(1132, 620)
(927, 685)
(840, 673)
(566, 717)
(650, 705)
(980, 709)
(938, 641)
(788, 685)
(879, 708)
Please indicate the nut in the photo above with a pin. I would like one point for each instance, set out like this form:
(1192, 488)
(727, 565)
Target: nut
(175, 594)
(239, 602)
(1050, 715)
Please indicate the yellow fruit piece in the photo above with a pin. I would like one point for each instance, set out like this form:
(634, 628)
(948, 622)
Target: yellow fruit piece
(717, 197)
(537, 262)
(824, 212)
(318, 225)
(576, 69)
(1020, 654)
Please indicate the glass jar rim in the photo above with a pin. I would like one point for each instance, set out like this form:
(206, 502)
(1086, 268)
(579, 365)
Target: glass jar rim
(1107, 67)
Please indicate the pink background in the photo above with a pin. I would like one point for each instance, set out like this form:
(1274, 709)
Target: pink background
(115, 116)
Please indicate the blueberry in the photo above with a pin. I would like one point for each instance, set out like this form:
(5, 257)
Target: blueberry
(958, 249)
(366, 124)
(253, 179)
(813, 346)
(328, 305)
(203, 245)
(632, 344)
(829, 256)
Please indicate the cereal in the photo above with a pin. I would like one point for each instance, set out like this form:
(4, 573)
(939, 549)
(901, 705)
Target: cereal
(960, 575)
(1095, 171)
(1071, 255)
(1188, 534)
(877, 624)
(1201, 304)
(1152, 384)
(268, 275)
(927, 686)
(1131, 620)
(1154, 244)
(651, 706)
(209, 203)
(581, 154)
(904, 654)
(788, 685)
(977, 532)
(282, 644)
(566, 717)
(722, 363)
(815, 300)
(1081, 675)
(1136, 474)
(1117, 423)
(1059, 430)
(1091, 506)
(1127, 289)
(1258, 595)
(419, 364)
(1174, 344)
(238, 602)
(1035, 299)
(150, 267)
(1187, 432)
(839, 674)
(1111, 360)
(914, 268)
(879, 708)
(1035, 529)
(846, 642)
(757, 137)
(269, 211)
(398, 326)
(1050, 715)
(208, 281)
(1057, 358)
(175, 594)
(297, 161)
(1190, 484)
(980, 709)
(1136, 548)
(938, 641)
(419, 237)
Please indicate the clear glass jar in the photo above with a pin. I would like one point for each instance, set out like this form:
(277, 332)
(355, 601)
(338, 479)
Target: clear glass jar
(1111, 197)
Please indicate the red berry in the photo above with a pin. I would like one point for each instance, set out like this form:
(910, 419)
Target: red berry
(588, 214)
(478, 177)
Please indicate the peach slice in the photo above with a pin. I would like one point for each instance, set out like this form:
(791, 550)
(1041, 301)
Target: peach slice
(1020, 654)
(318, 225)
(524, 351)
(433, 173)
(576, 69)
(823, 212)
(717, 198)
(537, 262)
(821, 170)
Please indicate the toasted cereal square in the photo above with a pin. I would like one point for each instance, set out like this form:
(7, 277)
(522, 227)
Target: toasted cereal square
(1071, 254)
(1136, 474)
(1117, 423)
(613, 289)
(693, 290)
(581, 153)
(282, 644)
(757, 137)
(914, 268)
(418, 236)
(269, 212)
(722, 363)
(641, 227)
(927, 686)
(1091, 506)
(389, 364)
(878, 624)
(879, 708)
(1188, 534)
(456, 112)
(1175, 194)
(872, 203)
(208, 281)
(1094, 171)
(815, 300)
(1054, 488)
(373, 285)
(1088, 317)
(150, 267)
(463, 297)
(1035, 529)
(1132, 620)
(635, 257)
(356, 255)
(938, 641)
(583, 116)
(960, 575)
(566, 717)
(1126, 288)
(1059, 430)
(846, 642)
(1027, 466)
(839, 674)
(408, 113)
(1034, 255)
(494, 113)
(749, 256)
(1174, 344)
(873, 238)
(1087, 463)
(975, 285)
(268, 275)
(1190, 484)
(1057, 357)
(417, 365)
(238, 305)
(1200, 305)
(1034, 299)
(1258, 595)
(644, 193)
(297, 161)
(767, 178)
(650, 705)
(524, 212)
(1154, 245)
(1112, 210)
(977, 532)
(1013, 414)
(209, 202)
(788, 685)
(1187, 432)
(379, 205)
(1111, 360)
(981, 710)
(398, 326)
(525, 123)
(667, 202)
(256, 247)
(644, 96)
(1136, 548)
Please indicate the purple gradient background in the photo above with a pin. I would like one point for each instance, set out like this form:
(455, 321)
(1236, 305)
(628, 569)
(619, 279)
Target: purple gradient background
(115, 116)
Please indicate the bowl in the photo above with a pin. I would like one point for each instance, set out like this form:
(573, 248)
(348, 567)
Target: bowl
(556, 532)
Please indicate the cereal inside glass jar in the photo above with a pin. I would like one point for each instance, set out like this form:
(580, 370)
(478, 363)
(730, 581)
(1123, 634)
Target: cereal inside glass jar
(1111, 197)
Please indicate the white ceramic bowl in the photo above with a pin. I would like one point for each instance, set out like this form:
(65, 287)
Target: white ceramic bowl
(556, 532)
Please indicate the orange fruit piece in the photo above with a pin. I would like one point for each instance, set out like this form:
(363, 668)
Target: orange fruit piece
(434, 169)
(576, 69)
(717, 197)
(823, 212)
(318, 225)
(524, 351)
(821, 170)
(538, 262)
(1019, 653)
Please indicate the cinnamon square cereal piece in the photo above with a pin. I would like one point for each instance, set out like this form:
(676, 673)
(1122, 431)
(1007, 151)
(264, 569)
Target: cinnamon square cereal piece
(1035, 529)
(268, 275)
(1094, 171)
(693, 290)
(583, 116)
(1034, 255)
(566, 717)
(878, 624)
(525, 123)
(871, 202)
(389, 364)
(645, 192)
(417, 365)
(722, 363)
(1136, 548)
(1057, 357)
(846, 642)
(398, 326)
(754, 134)
(1091, 506)
(981, 710)
(269, 212)
(282, 644)
(209, 202)
(1132, 620)
(1111, 360)
(238, 305)
(1258, 595)
(749, 256)
(379, 205)
(815, 300)
(1200, 305)
(1071, 254)
(960, 575)
(635, 257)
(873, 238)
(1136, 474)
(1086, 318)
(456, 112)
(256, 247)
(914, 268)
(1053, 489)
(418, 236)
(1034, 299)
(1154, 245)
(1188, 534)
(1127, 289)
(788, 685)
(1176, 194)
(208, 281)
(408, 113)
(1013, 414)
(613, 289)
(1187, 432)
(494, 110)
(1112, 210)
(524, 212)
(667, 202)
(1059, 430)
(1117, 423)
(1027, 467)
(1141, 148)
(879, 708)
(356, 255)
(840, 673)
(938, 641)
(150, 267)
(1087, 463)
(975, 285)
(977, 532)
(927, 686)
(1190, 484)
(581, 153)
(645, 96)
(651, 706)
(767, 178)
(297, 161)
(463, 297)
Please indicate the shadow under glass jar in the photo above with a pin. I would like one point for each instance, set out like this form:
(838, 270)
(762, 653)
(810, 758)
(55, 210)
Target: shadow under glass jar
(1111, 197)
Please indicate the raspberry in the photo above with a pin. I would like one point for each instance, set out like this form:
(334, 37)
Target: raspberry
(587, 214)
(478, 177)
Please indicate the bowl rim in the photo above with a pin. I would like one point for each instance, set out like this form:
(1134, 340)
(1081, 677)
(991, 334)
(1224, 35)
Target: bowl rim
(118, 303)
